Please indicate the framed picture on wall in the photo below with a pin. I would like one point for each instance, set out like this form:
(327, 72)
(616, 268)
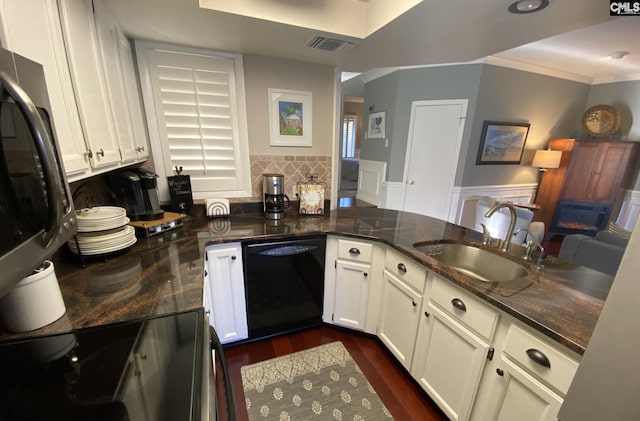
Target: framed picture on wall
(502, 143)
(290, 117)
(377, 121)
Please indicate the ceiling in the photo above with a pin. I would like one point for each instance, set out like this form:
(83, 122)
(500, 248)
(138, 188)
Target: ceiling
(569, 38)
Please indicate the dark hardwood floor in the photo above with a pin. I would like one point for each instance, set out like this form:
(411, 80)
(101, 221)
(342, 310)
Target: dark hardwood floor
(404, 398)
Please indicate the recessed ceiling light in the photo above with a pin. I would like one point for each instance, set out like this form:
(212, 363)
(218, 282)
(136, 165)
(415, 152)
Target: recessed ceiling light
(527, 6)
(617, 55)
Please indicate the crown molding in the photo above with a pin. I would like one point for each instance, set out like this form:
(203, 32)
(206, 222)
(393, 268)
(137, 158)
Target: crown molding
(512, 64)
(533, 68)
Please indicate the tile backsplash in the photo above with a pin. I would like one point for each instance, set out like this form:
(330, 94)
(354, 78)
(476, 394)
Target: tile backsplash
(294, 167)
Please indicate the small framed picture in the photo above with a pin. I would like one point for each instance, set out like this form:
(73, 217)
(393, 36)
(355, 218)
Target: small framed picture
(502, 143)
(376, 125)
(290, 117)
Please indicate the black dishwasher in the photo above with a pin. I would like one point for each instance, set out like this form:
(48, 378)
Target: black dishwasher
(284, 285)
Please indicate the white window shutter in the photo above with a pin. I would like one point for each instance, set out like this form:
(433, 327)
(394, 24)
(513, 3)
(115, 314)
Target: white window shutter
(200, 118)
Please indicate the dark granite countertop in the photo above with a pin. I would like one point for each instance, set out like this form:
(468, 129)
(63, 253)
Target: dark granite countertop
(164, 274)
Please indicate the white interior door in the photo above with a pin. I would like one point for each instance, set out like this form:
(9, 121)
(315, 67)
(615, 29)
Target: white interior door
(435, 135)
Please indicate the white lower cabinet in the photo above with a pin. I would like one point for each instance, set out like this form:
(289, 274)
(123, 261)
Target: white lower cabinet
(448, 362)
(399, 314)
(225, 299)
(353, 272)
(531, 378)
(453, 345)
(351, 301)
(522, 397)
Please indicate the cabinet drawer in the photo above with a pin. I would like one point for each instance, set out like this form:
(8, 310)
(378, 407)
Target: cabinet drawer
(534, 355)
(406, 269)
(469, 310)
(358, 251)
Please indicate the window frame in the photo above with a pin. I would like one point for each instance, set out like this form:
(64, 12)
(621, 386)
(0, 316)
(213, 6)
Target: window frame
(354, 118)
(156, 140)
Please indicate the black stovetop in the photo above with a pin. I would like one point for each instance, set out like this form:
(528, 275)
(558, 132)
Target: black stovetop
(146, 370)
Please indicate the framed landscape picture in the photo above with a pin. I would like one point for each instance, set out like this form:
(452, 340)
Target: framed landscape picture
(290, 118)
(502, 143)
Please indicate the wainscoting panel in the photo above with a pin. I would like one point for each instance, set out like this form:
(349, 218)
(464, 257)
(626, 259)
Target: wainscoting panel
(392, 196)
(630, 210)
(371, 175)
(464, 200)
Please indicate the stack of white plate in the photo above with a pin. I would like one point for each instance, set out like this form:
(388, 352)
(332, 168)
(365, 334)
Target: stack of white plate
(101, 218)
(102, 230)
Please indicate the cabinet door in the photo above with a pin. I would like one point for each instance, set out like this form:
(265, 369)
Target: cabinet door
(85, 62)
(608, 174)
(19, 21)
(578, 183)
(226, 289)
(132, 99)
(523, 398)
(448, 362)
(399, 316)
(597, 171)
(110, 41)
(351, 294)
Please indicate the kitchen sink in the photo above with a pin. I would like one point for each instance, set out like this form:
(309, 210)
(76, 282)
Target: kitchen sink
(481, 264)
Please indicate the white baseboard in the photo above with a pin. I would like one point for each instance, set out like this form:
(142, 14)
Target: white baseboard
(371, 175)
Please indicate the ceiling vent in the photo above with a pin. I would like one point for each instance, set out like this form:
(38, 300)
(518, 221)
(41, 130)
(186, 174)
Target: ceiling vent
(333, 45)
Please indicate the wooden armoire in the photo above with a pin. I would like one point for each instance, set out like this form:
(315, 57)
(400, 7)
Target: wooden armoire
(591, 171)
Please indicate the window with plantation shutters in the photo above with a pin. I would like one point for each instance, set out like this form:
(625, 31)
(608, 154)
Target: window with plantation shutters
(349, 136)
(199, 118)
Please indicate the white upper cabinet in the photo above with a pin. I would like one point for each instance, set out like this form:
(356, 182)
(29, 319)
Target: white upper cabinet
(117, 62)
(32, 29)
(85, 62)
(132, 98)
(91, 80)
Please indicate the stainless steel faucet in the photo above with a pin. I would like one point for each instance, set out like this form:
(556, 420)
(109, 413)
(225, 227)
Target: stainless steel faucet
(505, 245)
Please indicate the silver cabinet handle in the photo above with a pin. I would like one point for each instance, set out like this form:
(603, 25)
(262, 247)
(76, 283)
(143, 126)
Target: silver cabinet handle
(402, 268)
(354, 250)
(89, 153)
(140, 148)
(100, 152)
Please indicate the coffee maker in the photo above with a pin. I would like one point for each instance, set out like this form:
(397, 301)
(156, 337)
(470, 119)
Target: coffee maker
(273, 196)
(135, 190)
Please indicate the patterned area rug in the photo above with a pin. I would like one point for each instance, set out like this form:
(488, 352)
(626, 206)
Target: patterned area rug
(321, 383)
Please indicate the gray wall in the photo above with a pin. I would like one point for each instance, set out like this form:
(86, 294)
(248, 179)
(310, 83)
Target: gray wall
(551, 105)
(395, 92)
(380, 95)
(625, 96)
(434, 83)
